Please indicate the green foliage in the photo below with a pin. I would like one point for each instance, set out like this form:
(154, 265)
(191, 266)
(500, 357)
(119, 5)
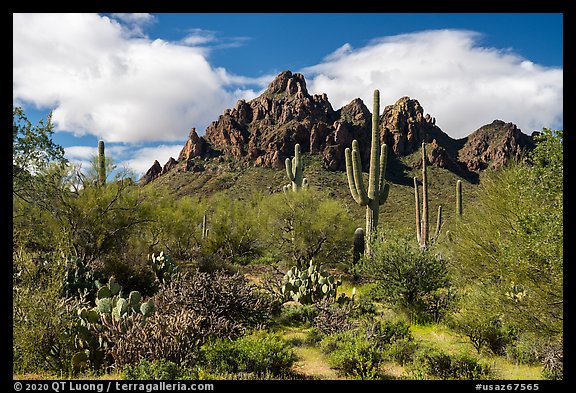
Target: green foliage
(98, 221)
(32, 153)
(353, 354)
(408, 277)
(516, 256)
(306, 226)
(42, 321)
(261, 352)
(159, 370)
(310, 285)
(235, 230)
(526, 349)
(477, 318)
(431, 363)
(176, 224)
(297, 314)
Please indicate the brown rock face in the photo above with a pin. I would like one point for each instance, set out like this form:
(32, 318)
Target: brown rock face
(194, 147)
(152, 173)
(492, 145)
(263, 132)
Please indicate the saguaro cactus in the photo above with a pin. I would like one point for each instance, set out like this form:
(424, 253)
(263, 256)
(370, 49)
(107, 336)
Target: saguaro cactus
(459, 198)
(377, 187)
(101, 164)
(295, 172)
(422, 220)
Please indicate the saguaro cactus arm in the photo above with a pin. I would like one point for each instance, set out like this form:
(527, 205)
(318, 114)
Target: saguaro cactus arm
(354, 174)
(382, 185)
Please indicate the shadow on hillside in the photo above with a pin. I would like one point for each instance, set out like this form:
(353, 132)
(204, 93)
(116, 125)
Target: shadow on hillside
(398, 172)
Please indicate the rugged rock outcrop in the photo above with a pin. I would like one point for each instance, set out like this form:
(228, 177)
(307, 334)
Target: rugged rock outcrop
(152, 173)
(263, 132)
(492, 145)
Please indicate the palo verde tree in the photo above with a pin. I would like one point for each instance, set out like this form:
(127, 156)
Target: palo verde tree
(510, 244)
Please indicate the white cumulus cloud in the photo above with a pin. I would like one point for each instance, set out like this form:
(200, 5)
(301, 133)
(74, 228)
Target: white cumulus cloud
(461, 83)
(101, 80)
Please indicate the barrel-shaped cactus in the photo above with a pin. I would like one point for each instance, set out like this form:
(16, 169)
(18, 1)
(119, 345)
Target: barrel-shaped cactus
(358, 245)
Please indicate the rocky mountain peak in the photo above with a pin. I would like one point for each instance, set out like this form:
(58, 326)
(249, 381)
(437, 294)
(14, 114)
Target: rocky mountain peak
(287, 83)
(264, 131)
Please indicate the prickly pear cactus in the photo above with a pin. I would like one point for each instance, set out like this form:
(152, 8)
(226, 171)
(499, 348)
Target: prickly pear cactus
(309, 285)
(164, 267)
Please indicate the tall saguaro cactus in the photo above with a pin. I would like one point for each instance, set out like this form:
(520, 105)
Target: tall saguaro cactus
(101, 164)
(295, 172)
(377, 187)
(422, 234)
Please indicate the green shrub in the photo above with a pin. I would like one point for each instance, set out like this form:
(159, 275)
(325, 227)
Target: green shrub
(436, 364)
(297, 314)
(261, 353)
(526, 349)
(384, 333)
(157, 371)
(402, 351)
(353, 354)
(477, 319)
(408, 278)
(333, 316)
(42, 321)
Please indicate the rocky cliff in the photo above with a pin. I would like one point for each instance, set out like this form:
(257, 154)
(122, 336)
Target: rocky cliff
(263, 132)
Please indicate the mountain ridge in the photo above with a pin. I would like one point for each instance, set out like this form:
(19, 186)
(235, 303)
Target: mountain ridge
(262, 132)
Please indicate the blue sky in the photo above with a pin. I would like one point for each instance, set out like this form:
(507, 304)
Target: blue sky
(141, 81)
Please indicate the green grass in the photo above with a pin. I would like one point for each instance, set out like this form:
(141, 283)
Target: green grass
(441, 337)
